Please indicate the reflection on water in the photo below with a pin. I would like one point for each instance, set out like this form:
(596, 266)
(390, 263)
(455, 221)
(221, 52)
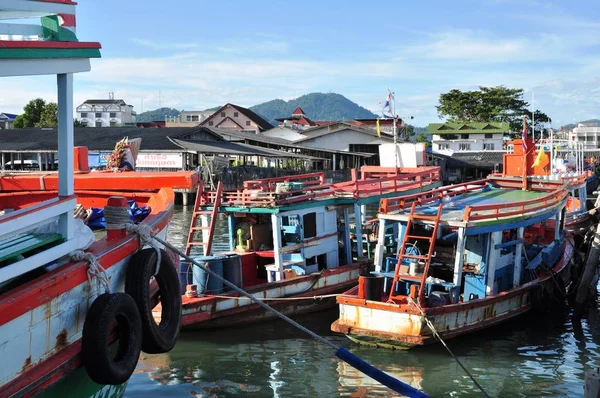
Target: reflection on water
(531, 356)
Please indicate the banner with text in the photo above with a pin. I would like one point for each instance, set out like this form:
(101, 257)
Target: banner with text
(147, 160)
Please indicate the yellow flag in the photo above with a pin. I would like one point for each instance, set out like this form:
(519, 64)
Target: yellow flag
(378, 129)
(541, 158)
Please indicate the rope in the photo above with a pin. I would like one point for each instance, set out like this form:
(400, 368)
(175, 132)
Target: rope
(117, 217)
(95, 270)
(437, 335)
(342, 353)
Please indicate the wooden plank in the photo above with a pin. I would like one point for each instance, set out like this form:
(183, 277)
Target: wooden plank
(26, 244)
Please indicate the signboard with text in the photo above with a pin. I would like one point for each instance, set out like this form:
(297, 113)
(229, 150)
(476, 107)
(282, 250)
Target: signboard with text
(147, 160)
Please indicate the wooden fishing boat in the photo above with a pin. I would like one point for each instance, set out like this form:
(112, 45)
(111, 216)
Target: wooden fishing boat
(66, 326)
(471, 255)
(290, 242)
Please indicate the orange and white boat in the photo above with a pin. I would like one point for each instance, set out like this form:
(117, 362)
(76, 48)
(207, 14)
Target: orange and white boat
(75, 304)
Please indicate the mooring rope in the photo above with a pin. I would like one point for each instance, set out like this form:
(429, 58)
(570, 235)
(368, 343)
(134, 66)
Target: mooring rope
(321, 297)
(437, 335)
(341, 352)
(117, 217)
(95, 269)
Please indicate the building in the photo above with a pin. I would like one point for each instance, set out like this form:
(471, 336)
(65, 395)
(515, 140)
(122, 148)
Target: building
(448, 138)
(7, 120)
(105, 113)
(586, 133)
(297, 120)
(234, 117)
(188, 118)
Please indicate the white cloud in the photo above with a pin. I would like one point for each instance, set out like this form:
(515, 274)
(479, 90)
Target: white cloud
(158, 45)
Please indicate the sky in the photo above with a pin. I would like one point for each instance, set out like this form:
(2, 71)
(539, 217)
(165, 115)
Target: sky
(191, 54)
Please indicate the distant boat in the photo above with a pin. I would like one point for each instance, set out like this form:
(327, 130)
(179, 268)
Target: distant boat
(290, 242)
(468, 256)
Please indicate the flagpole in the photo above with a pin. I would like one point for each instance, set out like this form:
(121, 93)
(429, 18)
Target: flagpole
(533, 116)
(395, 131)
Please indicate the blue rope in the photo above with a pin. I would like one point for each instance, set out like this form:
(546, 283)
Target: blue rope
(376, 374)
(342, 353)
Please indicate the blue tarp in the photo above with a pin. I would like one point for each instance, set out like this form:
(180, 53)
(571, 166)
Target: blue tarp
(136, 214)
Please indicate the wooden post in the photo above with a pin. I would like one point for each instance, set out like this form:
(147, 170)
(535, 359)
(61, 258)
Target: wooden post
(589, 272)
(359, 236)
(380, 247)
(493, 254)
(276, 224)
(347, 240)
(65, 147)
(460, 255)
(518, 257)
(3, 161)
(40, 165)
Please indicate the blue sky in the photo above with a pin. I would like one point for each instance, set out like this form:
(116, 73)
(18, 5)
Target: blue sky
(200, 54)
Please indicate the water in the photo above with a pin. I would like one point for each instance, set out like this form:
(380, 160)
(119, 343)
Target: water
(531, 356)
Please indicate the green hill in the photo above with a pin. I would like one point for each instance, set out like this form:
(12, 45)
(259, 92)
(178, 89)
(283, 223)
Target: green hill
(317, 106)
(157, 114)
(571, 126)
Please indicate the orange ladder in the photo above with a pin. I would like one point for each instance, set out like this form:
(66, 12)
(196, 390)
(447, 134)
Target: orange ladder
(194, 227)
(425, 258)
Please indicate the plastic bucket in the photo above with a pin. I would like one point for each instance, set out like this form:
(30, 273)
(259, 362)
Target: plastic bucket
(207, 284)
(232, 269)
(370, 287)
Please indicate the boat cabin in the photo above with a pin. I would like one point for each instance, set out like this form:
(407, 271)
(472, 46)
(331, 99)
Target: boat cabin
(468, 241)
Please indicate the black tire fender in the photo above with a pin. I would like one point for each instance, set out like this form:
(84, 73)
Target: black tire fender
(102, 365)
(156, 338)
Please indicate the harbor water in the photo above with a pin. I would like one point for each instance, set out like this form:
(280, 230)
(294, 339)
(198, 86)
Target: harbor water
(530, 356)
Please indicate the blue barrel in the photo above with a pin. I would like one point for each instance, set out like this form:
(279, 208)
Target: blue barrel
(207, 284)
(232, 269)
(185, 274)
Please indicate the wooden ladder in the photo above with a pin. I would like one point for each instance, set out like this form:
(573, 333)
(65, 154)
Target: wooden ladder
(198, 212)
(425, 258)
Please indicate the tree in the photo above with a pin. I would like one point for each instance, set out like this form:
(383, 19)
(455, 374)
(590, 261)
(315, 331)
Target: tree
(32, 113)
(77, 123)
(49, 116)
(422, 138)
(488, 104)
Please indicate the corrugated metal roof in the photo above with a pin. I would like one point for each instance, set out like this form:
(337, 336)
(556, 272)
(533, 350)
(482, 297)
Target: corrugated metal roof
(236, 148)
(468, 128)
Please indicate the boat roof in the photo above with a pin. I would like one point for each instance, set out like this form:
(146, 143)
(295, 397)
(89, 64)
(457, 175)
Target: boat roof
(482, 206)
(274, 195)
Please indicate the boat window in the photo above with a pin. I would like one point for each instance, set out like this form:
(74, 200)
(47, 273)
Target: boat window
(309, 222)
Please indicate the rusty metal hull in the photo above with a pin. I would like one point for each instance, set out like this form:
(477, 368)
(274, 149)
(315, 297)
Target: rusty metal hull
(391, 325)
(290, 297)
(42, 320)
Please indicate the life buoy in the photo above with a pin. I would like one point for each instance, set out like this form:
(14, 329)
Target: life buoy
(102, 366)
(159, 338)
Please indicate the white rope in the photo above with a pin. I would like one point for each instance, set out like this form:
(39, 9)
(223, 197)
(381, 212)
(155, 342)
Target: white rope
(437, 335)
(146, 239)
(95, 270)
(321, 297)
(118, 218)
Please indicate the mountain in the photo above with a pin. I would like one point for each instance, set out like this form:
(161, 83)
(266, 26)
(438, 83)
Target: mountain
(157, 114)
(317, 106)
(571, 126)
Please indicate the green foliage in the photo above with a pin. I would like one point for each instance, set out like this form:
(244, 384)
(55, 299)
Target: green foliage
(77, 123)
(422, 138)
(157, 114)
(32, 113)
(318, 106)
(489, 104)
(49, 116)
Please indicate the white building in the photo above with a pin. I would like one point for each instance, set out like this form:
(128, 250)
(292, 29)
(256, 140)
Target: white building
(187, 118)
(587, 133)
(105, 113)
(448, 138)
(7, 120)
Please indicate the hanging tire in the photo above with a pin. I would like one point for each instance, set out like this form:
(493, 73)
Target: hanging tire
(156, 339)
(102, 365)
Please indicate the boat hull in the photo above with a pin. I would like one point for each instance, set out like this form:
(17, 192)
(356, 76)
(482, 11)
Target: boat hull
(41, 321)
(390, 325)
(291, 297)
